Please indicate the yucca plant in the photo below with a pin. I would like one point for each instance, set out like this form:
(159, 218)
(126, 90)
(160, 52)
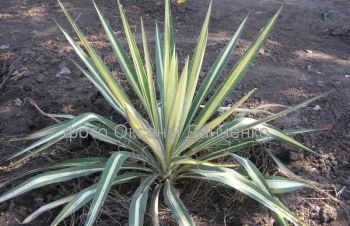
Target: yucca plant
(172, 141)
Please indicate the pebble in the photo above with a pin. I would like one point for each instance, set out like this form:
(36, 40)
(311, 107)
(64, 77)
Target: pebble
(317, 108)
(63, 71)
(4, 47)
(317, 209)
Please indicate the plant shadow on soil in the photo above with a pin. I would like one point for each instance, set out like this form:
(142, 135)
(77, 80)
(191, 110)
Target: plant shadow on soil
(303, 56)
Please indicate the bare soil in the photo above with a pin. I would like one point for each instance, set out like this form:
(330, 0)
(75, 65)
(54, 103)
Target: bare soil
(304, 56)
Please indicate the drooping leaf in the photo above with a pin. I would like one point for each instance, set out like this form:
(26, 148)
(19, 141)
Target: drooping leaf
(237, 181)
(47, 207)
(50, 178)
(154, 205)
(281, 185)
(108, 176)
(139, 201)
(176, 206)
(78, 200)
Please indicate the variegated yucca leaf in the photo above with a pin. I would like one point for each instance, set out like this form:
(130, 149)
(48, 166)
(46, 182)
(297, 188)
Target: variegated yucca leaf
(110, 171)
(172, 137)
(237, 181)
(139, 201)
(176, 206)
(78, 200)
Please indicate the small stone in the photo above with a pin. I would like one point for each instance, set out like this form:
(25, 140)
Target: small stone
(63, 70)
(307, 51)
(4, 47)
(40, 78)
(317, 108)
(347, 76)
(317, 209)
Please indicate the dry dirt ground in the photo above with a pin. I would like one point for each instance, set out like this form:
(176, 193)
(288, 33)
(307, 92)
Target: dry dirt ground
(304, 56)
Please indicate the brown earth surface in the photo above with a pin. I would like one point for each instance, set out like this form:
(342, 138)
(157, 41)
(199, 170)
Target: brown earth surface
(304, 56)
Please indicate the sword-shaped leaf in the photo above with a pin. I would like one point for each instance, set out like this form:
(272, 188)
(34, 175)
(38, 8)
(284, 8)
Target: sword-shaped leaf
(154, 205)
(95, 75)
(240, 125)
(69, 128)
(237, 181)
(236, 74)
(236, 146)
(259, 180)
(78, 162)
(139, 201)
(215, 72)
(47, 207)
(168, 41)
(170, 87)
(281, 185)
(195, 69)
(85, 196)
(176, 206)
(150, 82)
(143, 130)
(139, 68)
(177, 110)
(50, 178)
(106, 74)
(204, 130)
(159, 63)
(108, 176)
(121, 55)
